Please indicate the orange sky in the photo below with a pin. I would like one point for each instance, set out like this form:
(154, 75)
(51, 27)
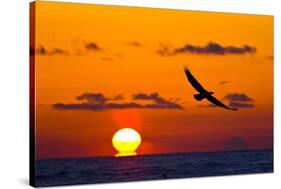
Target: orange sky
(125, 61)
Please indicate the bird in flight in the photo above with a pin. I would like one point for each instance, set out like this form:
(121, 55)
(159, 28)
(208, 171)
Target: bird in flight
(203, 93)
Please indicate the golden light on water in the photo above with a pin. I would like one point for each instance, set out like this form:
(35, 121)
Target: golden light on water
(126, 141)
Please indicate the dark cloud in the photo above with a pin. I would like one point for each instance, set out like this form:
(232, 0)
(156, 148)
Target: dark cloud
(98, 98)
(210, 48)
(134, 43)
(92, 46)
(41, 50)
(235, 144)
(82, 106)
(93, 98)
(235, 100)
(118, 97)
(96, 107)
(99, 102)
(56, 51)
(241, 105)
(238, 97)
(159, 102)
(223, 82)
(215, 48)
(123, 105)
(239, 100)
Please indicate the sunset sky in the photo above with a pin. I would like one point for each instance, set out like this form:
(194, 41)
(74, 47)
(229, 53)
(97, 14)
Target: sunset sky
(102, 68)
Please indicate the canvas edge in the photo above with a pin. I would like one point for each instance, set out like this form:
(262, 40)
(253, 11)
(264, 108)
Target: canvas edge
(32, 83)
(32, 10)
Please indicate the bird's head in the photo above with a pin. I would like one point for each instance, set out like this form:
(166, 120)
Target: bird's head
(186, 68)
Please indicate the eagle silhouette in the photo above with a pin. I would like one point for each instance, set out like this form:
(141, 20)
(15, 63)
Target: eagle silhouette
(203, 93)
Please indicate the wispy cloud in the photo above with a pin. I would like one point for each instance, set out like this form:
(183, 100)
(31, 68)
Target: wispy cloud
(165, 50)
(107, 59)
(224, 82)
(134, 43)
(56, 51)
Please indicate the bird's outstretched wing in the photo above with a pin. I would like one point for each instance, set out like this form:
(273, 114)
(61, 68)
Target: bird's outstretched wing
(215, 101)
(195, 84)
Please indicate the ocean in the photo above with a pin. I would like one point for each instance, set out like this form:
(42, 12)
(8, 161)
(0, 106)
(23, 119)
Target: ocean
(56, 172)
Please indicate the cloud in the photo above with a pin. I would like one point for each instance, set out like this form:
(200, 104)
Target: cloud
(165, 51)
(92, 46)
(239, 100)
(98, 98)
(56, 51)
(118, 97)
(107, 59)
(223, 82)
(159, 102)
(99, 102)
(235, 100)
(207, 106)
(235, 144)
(215, 48)
(93, 98)
(41, 50)
(95, 107)
(134, 44)
(238, 97)
(86, 47)
(211, 48)
(241, 105)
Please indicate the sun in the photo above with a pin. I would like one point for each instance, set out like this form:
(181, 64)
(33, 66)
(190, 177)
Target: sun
(126, 141)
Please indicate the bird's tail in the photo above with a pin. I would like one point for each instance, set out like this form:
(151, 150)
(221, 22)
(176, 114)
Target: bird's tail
(199, 97)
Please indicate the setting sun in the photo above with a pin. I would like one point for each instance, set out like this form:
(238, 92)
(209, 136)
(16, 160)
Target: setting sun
(126, 141)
